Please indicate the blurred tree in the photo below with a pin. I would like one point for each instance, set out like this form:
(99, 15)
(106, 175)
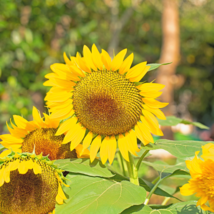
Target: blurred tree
(169, 53)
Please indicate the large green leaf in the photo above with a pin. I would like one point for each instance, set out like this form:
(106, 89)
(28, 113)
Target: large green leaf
(145, 184)
(180, 149)
(154, 66)
(87, 195)
(84, 166)
(173, 121)
(164, 167)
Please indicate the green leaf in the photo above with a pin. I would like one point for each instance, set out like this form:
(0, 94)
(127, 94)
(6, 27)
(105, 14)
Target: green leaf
(173, 121)
(145, 184)
(2, 147)
(188, 207)
(156, 65)
(170, 121)
(197, 124)
(138, 209)
(164, 167)
(84, 166)
(87, 195)
(180, 149)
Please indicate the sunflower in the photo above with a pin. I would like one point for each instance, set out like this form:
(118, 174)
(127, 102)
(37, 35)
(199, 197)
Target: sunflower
(39, 135)
(29, 184)
(104, 103)
(202, 178)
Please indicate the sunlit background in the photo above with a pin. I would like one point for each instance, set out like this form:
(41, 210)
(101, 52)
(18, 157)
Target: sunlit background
(34, 34)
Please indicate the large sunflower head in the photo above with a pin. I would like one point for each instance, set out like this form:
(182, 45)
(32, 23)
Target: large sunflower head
(29, 184)
(39, 135)
(104, 103)
(202, 178)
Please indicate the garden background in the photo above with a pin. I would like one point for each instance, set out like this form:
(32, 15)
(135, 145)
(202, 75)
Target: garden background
(34, 34)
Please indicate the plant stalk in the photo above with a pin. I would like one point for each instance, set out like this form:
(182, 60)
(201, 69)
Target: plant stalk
(133, 172)
(141, 158)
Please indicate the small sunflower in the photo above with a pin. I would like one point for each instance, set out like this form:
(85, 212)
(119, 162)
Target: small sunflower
(29, 184)
(104, 103)
(39, 134)
(202, 181)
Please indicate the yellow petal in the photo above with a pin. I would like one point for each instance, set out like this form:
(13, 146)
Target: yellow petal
(62, 112)
(122, 145)
(157, 112)
(82, 64)
(71, 133)
(145, 132)
(96, 57)
(20, 121)
(5, 153)
(106, 59)
(22, 167)
(151, 94)
(88, 58)
(66, 59)
(136, 70)
(129, 144)
(95, 145)
(9, 138)
(133, 140)
(112, 146)
(37, 168)
(65, 126)
(140, 136)
(82, 153)
(139, 74)
(61, 193)
(126, 64)
(152, 128)
(14, 165)
(77, 71)
(151, 118)
(7, 175)
(104, 150)
(118, 60)
(186, 190)
(147, 87)
(36, 116)
(154, 103)
(2, 175)
(87, 140)
(77, 140)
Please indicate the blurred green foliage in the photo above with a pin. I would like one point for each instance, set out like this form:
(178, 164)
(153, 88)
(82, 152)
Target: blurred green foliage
(34, 34)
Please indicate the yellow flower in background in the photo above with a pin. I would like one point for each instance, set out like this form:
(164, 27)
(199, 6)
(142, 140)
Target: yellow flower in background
(39, 134)
(104, 103)
(29, 184)
(202, 181)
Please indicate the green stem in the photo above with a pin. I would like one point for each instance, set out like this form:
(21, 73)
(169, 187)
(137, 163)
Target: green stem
(123, 166)
(141, 158)
(133, 172)
(152, 191)
(165, 200)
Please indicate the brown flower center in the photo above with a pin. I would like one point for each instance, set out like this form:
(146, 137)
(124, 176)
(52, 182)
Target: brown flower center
(45, 141)
(29, 193)
(106, 103)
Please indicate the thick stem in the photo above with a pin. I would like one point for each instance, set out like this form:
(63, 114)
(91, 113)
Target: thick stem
(141, 158)
(133, 172)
